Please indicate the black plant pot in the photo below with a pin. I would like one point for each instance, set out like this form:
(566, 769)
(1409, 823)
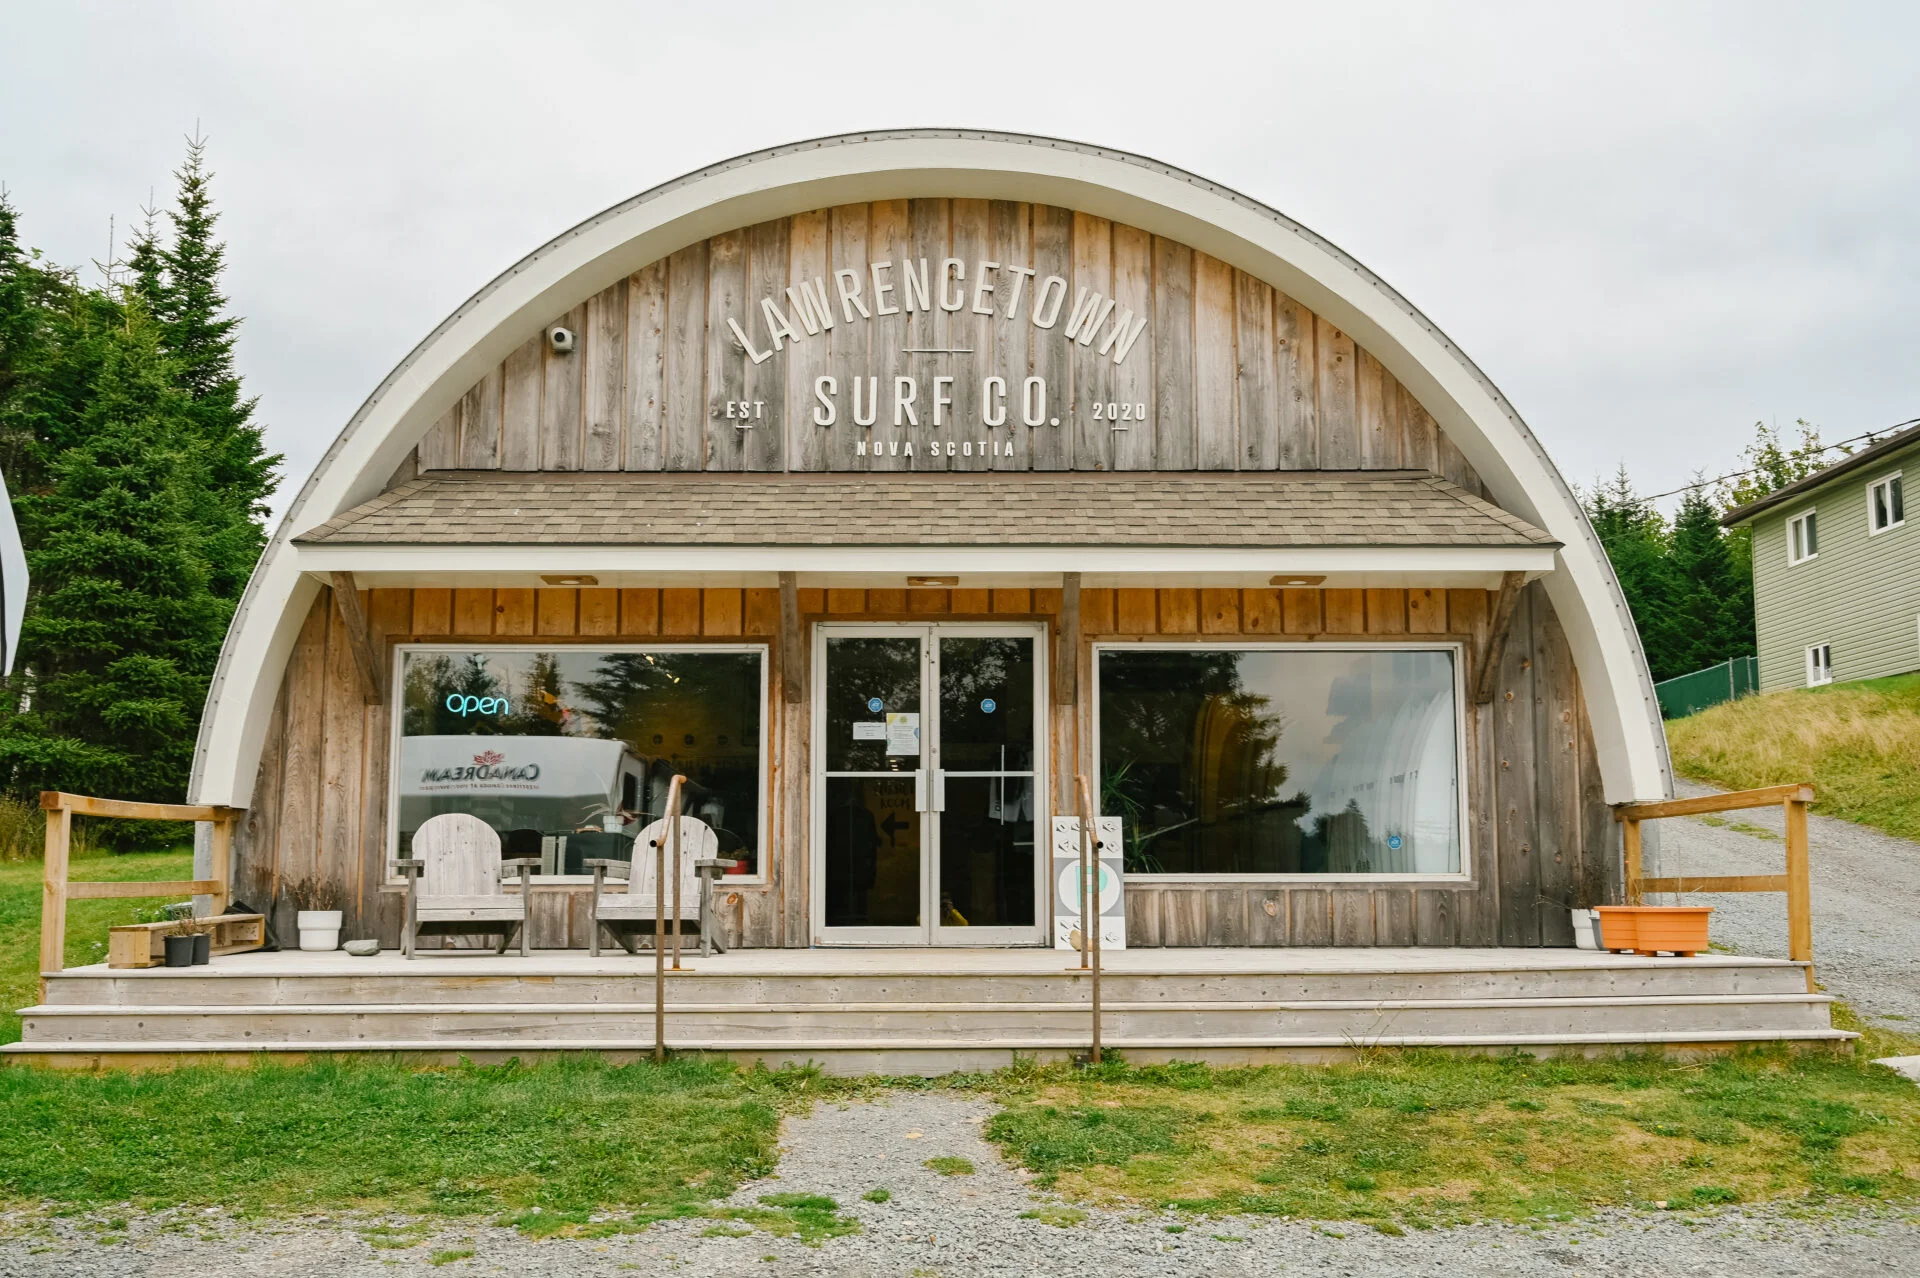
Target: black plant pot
(202, 948)
(179, 951)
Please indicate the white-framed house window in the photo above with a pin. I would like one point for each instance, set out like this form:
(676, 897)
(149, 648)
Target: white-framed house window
(1803, 537)
(1886, 504)
(1819, 664)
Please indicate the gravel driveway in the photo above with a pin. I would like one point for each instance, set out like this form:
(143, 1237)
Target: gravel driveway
(971, 1226)
(1866, 899)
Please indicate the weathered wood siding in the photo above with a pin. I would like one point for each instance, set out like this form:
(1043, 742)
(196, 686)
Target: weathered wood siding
(1541, 838)
(1235, 375)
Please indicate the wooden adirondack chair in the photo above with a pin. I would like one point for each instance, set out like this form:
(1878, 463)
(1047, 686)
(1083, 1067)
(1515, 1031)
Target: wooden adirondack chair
(454, 884)
(629, 915)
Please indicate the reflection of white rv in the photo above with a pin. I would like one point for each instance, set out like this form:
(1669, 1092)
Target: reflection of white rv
(549, 784)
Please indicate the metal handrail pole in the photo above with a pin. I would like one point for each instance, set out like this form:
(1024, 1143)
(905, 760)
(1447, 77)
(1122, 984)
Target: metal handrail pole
(659, 925)
(674, 834)
(1090, 902)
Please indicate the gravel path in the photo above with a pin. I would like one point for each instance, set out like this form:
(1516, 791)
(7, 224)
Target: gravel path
(970, 1226)
(1866, 899)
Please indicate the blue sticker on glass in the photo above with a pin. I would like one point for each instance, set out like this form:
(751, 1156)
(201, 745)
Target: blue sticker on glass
(874, 704)
(1393, 841)
(988, 706)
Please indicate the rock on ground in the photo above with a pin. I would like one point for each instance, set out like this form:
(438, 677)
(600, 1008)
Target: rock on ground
(971, 1226)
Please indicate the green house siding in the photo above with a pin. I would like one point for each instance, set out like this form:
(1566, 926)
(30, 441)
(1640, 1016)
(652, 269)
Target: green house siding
(1861, 593)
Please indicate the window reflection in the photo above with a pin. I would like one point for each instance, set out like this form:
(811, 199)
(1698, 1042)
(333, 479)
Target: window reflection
(1261, 761)
(569, 753)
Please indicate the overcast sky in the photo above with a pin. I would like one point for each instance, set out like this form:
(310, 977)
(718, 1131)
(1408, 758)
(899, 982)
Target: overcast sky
(1651, 227)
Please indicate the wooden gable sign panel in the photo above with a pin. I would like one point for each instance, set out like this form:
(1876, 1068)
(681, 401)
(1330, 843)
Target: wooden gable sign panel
(942, 334)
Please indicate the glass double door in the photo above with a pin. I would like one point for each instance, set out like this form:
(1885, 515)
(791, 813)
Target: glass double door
(928, 785)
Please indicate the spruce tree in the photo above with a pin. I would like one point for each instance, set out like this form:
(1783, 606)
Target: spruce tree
(1635, 538)
(1713, 601)
(197, 335)
(123, 631)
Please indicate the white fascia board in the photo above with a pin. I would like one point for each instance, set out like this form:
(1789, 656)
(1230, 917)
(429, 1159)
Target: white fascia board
(1517, 472)
(372, 563)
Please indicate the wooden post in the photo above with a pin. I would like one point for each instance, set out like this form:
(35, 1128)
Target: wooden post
(220, 870)
(1630, 842)
(1066, 652)
(1799, 889)
(346, 596)
(791, 684)
(1090, 900)
(1497, 627)
(53, 900)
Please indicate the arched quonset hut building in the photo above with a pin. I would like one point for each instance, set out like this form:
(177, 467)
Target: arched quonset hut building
(882, 483)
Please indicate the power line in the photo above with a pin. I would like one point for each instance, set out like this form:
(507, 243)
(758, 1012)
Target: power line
(1870, 436)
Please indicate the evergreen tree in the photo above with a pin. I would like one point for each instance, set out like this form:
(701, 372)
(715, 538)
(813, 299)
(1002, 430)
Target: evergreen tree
(123, 631)
(1713, 600)
(1635, 537)
(197, 335)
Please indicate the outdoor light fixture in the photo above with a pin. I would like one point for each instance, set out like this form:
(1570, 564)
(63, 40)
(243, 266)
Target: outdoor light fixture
(576, 579)
(1297, 581)
(933, 581)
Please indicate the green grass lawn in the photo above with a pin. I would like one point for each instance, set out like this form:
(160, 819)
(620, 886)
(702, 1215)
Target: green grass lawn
(1859, 743)
(87, 921)
(1411, 1139)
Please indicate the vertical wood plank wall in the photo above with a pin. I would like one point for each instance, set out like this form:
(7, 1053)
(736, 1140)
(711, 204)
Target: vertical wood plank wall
(1235, 375)
(1540, 836)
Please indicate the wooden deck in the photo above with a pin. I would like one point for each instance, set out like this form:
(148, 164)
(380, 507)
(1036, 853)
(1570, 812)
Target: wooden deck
(923, 1011)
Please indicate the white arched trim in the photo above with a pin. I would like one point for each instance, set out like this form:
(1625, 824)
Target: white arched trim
(955, 163)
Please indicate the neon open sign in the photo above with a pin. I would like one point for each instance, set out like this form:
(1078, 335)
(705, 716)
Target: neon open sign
(465, 704)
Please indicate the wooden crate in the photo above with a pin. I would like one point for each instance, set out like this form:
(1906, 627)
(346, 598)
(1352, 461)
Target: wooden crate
(145, 944)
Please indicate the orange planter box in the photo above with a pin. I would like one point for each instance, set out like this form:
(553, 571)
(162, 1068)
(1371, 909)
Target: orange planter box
(1648, 929)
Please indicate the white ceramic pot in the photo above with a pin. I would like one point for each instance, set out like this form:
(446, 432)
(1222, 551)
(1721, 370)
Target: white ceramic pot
(320, 929)
(1586, 929)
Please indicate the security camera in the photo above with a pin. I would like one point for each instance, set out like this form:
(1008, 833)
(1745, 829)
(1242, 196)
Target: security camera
(561, 339)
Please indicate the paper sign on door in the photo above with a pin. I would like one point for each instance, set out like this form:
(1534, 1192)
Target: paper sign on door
(869, 732)
(903, 734)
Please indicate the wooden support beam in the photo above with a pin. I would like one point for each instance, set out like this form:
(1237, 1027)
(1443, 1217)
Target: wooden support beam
(1731, 883)
(1066, 649)
(118, 891)
(87, 805)
(1733, 801)
(1497, 627)
(1799, 888)
(346, 596)
(1630, 853)
(791, 683)
(53, 901)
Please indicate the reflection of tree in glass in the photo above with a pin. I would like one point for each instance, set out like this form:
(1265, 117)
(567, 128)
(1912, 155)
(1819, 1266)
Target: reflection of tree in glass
(432, 677)
(542, 709)
(1185, 750)
(696, 713)
(1344, 840)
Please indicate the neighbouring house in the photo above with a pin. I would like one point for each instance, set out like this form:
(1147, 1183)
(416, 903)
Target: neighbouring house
(1836, 570)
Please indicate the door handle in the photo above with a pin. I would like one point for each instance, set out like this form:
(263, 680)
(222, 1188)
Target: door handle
(929, 790)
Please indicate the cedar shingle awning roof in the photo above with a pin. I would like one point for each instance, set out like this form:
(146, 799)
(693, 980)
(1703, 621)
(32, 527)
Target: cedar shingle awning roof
(904, 508)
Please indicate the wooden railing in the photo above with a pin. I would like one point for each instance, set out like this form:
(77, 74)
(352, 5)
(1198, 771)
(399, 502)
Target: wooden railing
(1793, 798)
(61, 808)
(1090, 903)
(672, 840)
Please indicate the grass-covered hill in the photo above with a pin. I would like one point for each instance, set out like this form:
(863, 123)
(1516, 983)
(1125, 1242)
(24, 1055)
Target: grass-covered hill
(1859, 743)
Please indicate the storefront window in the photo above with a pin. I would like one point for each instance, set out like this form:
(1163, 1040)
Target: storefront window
(1281, 761)
(568, 752)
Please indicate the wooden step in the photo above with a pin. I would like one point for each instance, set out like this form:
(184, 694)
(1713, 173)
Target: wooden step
(847, 1058)
(428, 980)
(370, 1025)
